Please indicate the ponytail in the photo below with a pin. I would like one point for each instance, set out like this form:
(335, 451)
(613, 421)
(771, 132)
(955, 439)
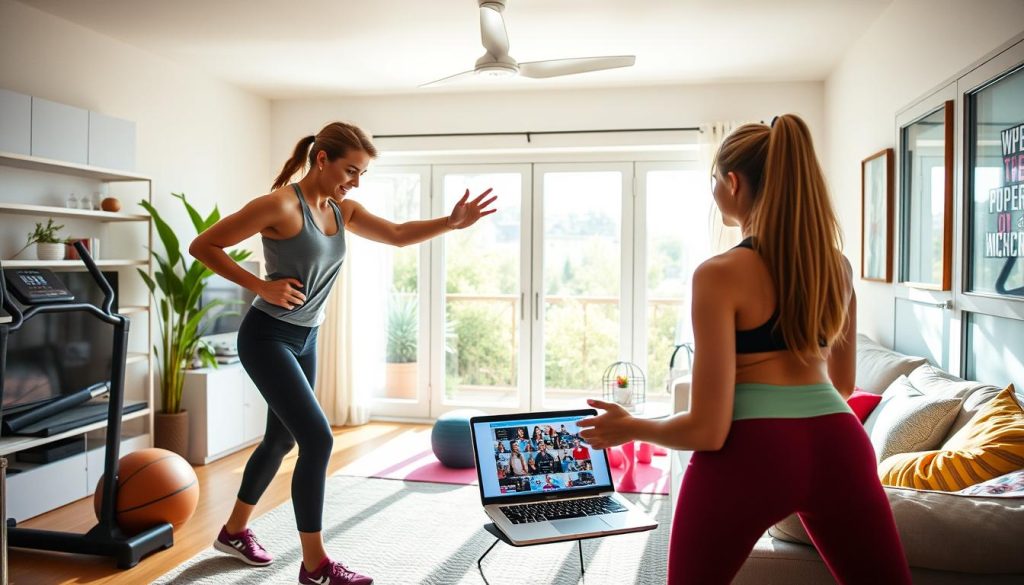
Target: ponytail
(335, 139)
(794, 228)
(295, 163)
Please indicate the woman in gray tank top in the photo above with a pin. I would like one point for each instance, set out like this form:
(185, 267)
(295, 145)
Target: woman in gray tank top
(302, 226)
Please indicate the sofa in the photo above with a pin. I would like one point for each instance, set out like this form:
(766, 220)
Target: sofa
(948, 537)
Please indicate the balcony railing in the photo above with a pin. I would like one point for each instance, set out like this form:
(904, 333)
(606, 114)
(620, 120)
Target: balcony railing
(587, 304)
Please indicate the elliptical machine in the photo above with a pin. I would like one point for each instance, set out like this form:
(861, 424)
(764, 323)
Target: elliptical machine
(106, 538)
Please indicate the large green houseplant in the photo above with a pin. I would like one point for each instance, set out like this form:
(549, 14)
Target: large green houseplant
(177, 286)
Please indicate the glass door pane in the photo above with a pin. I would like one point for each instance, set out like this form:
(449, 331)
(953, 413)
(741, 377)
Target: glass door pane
(674, 238)
(926, 200)
(482, 288)
(389, 303)
(996, 179)
(579, 279)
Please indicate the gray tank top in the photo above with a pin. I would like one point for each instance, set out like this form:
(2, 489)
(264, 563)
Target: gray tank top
(311, 257)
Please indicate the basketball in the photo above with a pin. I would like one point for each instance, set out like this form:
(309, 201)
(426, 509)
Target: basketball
(154, 486)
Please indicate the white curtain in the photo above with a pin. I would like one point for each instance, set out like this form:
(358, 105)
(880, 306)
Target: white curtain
(711, 136)
(336, 389)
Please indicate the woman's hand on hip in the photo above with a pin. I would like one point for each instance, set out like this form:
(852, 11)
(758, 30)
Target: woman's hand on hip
(612, 428)
(282, 292)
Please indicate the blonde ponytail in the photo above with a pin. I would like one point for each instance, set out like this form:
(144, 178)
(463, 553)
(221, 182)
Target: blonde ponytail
(794, 228)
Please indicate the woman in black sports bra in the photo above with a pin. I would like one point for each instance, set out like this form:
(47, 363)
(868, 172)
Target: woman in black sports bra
(774, 323)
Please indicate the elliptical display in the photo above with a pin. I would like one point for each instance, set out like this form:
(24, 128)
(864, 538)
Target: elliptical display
(106, 538)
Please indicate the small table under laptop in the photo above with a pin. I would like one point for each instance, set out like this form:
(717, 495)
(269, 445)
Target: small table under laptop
(500, 536)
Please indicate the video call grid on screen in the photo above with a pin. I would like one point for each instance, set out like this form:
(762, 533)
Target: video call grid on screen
(513, 461)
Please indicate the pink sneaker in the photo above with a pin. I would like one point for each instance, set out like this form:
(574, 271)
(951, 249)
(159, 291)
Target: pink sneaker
(331, 573)
(243, 546)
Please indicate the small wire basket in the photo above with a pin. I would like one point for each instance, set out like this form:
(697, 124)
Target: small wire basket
(624, 383)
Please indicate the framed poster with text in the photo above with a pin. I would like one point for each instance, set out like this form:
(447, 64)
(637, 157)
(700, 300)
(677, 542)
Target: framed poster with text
(995, 210)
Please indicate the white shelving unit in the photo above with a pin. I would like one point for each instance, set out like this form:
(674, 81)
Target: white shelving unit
(74, 477)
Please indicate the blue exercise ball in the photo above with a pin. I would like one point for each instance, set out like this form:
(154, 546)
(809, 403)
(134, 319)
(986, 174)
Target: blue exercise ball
(451, 438)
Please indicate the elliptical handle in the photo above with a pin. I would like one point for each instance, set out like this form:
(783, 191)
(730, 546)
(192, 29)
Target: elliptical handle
(17, 318)
(101, 281)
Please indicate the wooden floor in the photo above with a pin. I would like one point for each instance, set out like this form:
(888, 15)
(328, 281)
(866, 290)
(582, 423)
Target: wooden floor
(218, 484)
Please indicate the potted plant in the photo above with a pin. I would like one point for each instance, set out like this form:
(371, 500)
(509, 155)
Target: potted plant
(177, 286)
(48, 245)
(623, 393)
(403, 331)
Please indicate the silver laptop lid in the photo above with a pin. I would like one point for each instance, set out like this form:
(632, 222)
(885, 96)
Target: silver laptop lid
(536, 456)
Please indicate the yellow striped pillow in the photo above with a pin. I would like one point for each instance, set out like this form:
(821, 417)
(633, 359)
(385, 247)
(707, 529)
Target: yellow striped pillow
(990, 445)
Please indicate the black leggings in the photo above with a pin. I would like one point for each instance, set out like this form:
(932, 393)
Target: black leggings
(281, 359)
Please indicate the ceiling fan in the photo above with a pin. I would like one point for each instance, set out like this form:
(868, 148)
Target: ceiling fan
(496, 62)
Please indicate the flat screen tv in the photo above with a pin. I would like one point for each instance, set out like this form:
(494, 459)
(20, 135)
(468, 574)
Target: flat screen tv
(239, 300)
(54, 354)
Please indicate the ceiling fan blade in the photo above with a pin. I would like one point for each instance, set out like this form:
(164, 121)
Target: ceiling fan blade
(556, 67)
(450, 78)
(493, 35)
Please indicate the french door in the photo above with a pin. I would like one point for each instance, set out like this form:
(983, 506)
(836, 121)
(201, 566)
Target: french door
(583, 264)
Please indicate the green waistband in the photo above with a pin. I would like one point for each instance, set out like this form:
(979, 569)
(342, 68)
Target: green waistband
(772, 401)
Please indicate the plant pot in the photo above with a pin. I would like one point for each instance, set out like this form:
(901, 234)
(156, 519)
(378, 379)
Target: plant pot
(171, 432)
(49, 251)
(400, 380)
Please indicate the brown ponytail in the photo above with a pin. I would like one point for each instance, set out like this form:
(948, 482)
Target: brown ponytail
(336, 139)
(794, 227)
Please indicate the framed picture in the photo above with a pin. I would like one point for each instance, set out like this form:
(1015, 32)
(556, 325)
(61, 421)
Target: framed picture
(876, 214)
(926, 200)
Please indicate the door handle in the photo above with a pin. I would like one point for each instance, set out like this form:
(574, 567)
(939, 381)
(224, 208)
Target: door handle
(522, 306)
(536, 306)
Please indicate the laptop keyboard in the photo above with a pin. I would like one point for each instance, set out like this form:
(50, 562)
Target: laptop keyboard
(562, 509)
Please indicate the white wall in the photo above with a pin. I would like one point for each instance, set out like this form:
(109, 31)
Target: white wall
(914, 46)
(649, 107)
(194, 134)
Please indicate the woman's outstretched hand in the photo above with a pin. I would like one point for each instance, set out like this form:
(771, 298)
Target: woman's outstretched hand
(610, 429)
(466, 213)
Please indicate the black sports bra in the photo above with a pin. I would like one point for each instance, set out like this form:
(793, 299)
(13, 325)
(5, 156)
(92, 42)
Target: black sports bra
(767, 337)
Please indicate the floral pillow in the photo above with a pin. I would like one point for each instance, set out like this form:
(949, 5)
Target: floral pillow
(1010, 485)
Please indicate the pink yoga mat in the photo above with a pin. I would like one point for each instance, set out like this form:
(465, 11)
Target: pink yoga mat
(408, 457)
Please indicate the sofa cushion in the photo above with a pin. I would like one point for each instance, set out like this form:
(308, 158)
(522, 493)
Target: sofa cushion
(991, 444)
(935, 382)
(878, 366)
(947, 531)
(1010, 485)
(908, 421)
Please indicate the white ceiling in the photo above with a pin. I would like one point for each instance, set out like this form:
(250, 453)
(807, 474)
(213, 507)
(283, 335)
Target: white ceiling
(317, 48)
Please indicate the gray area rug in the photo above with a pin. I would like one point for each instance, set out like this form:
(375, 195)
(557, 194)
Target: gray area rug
(404, 532)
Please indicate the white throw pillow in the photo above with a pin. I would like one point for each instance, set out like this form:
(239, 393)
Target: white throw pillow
(907, 421)
(937, 383)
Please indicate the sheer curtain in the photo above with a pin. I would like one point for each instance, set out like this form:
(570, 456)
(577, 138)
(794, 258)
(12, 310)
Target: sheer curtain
(711, 136)
(336, 388)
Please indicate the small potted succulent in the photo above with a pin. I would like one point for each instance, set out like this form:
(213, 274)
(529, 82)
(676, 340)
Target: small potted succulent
(623, 393)
(48, 245)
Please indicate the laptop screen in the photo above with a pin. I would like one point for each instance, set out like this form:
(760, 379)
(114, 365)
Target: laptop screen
(537, 454)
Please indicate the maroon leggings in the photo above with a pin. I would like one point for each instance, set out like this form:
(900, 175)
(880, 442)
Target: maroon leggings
(823, 468)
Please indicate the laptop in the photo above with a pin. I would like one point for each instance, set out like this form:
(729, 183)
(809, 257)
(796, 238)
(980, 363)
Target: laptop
(540, 482)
